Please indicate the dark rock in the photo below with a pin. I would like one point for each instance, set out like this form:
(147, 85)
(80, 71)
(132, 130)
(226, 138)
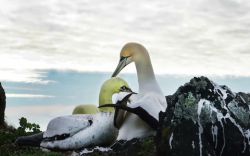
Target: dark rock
(243, 96)
(204, 118)
(2, 107)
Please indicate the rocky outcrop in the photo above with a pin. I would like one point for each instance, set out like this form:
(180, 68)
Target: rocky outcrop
(204, 118)
(2, 107)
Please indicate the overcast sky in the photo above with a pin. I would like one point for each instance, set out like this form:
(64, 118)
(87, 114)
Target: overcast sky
(204, 37)
(41, 38)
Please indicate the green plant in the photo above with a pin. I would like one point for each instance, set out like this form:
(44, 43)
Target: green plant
(10, 134)
(26, 127)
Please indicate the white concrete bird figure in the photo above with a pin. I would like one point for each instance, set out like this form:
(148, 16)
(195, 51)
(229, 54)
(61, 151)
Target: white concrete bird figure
(79, 131)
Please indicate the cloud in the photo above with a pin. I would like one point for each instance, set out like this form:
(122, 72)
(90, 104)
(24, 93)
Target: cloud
(21, 88)
(208, 37)
(23, 75)
(28, 96)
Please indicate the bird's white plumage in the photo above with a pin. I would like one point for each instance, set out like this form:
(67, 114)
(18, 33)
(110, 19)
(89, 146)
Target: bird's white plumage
(132, 128)
(100, 132)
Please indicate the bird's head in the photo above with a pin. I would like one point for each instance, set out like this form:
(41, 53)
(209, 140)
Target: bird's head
(130, 52)
(109, 88)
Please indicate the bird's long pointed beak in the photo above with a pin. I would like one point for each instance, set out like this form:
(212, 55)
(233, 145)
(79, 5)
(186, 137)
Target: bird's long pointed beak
(122, 63)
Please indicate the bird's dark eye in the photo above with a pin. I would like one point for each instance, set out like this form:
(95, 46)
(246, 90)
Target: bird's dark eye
(125, 89)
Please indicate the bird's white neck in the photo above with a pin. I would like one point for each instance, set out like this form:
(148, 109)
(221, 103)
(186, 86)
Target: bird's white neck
(146, 77)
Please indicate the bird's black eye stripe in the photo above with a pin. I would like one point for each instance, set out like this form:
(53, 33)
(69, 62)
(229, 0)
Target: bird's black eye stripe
(122, 58)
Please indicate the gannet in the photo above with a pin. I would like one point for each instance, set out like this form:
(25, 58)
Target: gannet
(150, 98)
(78, 131)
